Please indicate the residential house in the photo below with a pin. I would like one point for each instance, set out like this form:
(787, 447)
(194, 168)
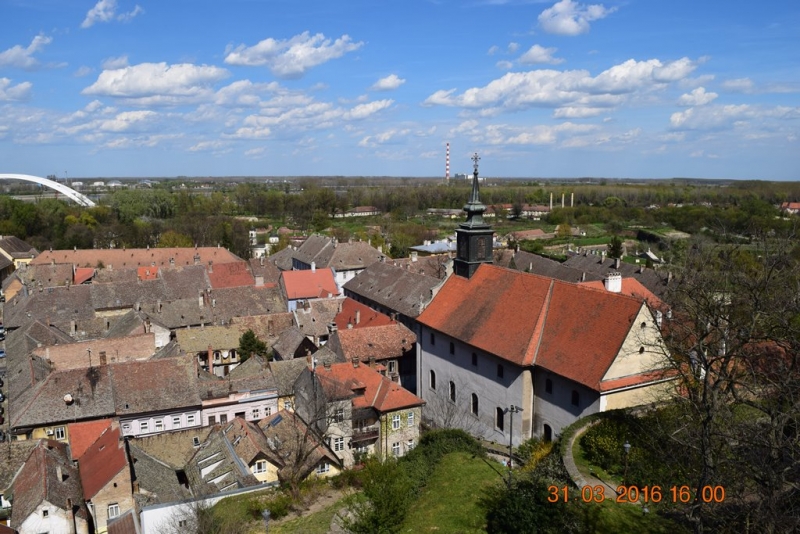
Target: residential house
(299, 286)
(359, 211)
(316, 319)
(231, 274)
(346, 259)
(285, 374)
(291, 344)
(299, 448)
(392, 345)
(14, 454)
(105, 477)
(791, 207)
(249, 392)
(657, 281)
(47, 493)
(17, 250)
(215, 347)
(358, 410)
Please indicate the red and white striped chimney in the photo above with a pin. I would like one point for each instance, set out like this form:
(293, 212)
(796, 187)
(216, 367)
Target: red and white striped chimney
(447, 164)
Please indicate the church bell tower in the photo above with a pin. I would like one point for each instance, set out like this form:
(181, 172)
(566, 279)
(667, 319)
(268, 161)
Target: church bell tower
(473, 236)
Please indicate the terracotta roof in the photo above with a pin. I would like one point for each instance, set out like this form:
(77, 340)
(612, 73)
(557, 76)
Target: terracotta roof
(633, 288)
(82, 274)
(265, 268)
(138, 257)
(572, 330)
(102, 461)
(14, 454)
(235, 274)
(83, 434)
(379, 392)
(380, 342)
(144, 273)
(654, 280)
(118, 349)
(356, 315)
(127, 523)
(309, 284)
(637, 379)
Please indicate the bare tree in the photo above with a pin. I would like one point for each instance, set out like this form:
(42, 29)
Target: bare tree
(450, 407)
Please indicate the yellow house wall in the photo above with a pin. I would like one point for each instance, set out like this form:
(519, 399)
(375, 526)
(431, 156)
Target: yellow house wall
(638, 396)
(41, 433)
(629, 361)
(270, 475)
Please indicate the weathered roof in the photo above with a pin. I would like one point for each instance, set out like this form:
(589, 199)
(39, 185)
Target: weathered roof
(654, 280)
(283, 259)
(138, 257)
(14, 454)
(285, 374)
(287, 433)
(102, 461)
(16, 247)
(572, 330)
(158, 481)
(59, 304)
(127, 523)
(533, 263)
(170, 448)
(217, 337)
(266, 269)
(266, 327)
(154, 385)
(328, 252)
(309, 284)
(379, 392)
(393, 288)
(288, 343)
(215, 466)
(314, 318)
(435, 265)
(38, 481)
(379, 342)
(633, 288)
(50, 275)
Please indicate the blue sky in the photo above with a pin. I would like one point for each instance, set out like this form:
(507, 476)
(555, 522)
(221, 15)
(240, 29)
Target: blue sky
(622, 88)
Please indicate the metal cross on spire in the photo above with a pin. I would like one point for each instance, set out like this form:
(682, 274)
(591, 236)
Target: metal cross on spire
(475, 159)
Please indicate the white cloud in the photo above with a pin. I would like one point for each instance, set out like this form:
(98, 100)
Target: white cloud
(293, 57)
(493, 50)
(158, 83)
(20, 57)
(210, 146)
(565, 89)
(18, 92)
(371, 141)
(388, 83)
(698, 97)
(743, 116)
(570, 18)
(362, 111)
(255, 152)
(504, 65)
(244, 93)
(113, 63)
(127, 121)
(539, 54)
(106, 11)
(739, 85)
(578, 112)
(513, 47)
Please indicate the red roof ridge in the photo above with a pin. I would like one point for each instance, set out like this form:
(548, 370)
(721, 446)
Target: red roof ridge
(530, 359)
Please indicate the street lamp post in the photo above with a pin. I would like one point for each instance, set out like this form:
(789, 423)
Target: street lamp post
(512, 410)
(265, 514)
(627, 447)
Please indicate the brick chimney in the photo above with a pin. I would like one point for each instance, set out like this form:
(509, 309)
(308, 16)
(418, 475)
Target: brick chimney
(355, 361)
(358, 316)
(210, 360)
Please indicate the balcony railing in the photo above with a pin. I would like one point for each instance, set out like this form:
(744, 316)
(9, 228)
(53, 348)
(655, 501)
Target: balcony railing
(365, 433)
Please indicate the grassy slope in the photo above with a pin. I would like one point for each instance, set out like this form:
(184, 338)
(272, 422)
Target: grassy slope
(449, 503)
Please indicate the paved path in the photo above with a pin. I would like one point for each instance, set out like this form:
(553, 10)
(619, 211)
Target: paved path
(584, 479)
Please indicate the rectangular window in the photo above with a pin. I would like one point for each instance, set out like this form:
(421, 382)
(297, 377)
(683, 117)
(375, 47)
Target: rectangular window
(190, 419)
(176, 421)
(474, 359)
(260, 467)
(410, 445)
(396, 448)
(223, 418)
(323, 468)
(287, 405)
(500, 370)
(126, 428)
(212, 420)
(395, 421)
(338, 415)
(60, 432)
(267, 411)
(433, 339)
(159, 425)
(338, 444)
(144, 426)
(392, 366)
(256, 413)
(576, 398)
(452, 348)
(113, 510)
(410, 419)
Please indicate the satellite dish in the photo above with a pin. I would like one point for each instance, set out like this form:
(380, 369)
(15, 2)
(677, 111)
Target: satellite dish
(68, 398)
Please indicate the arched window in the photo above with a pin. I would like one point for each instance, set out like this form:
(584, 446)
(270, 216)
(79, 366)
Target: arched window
(548, 386)
(548, 433)
(452, 391)
(499, 419)
(474, 404)
(433, 379)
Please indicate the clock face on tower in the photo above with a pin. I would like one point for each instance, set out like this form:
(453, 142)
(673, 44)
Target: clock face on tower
(481, 248)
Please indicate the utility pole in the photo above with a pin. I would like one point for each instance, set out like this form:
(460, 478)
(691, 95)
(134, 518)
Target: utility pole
(512, 410)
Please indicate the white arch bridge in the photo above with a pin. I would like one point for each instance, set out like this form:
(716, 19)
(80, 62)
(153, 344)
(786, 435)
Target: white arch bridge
(70, 193)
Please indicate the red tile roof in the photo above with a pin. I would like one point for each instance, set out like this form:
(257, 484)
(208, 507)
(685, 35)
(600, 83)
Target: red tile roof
(366, 316)
(82, 274)
(146, 273)
(381, 342)
(380, 393)
(101, 462)
(308, 284)
(236, 274)
(135, 257)
(82, 435)
(638, 379)
(572, 330)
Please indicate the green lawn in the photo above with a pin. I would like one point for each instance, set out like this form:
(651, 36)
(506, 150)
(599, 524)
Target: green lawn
(449, 502)
(316, 523)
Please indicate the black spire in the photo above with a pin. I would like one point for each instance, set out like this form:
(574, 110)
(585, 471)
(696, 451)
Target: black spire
(474, 207)
(473, 236)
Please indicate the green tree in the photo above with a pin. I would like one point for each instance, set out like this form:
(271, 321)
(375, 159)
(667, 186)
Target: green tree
(250, 344)
(615, 248)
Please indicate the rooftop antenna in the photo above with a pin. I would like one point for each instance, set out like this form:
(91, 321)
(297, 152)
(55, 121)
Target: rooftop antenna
(447, 165)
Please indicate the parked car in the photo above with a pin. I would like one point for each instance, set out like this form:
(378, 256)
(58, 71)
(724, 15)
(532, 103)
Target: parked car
(2, 397)
(2, 353)
(2, 420)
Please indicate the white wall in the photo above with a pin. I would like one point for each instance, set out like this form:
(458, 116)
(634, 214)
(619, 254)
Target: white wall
(55, 522)
(131, 426)
(237, 404)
